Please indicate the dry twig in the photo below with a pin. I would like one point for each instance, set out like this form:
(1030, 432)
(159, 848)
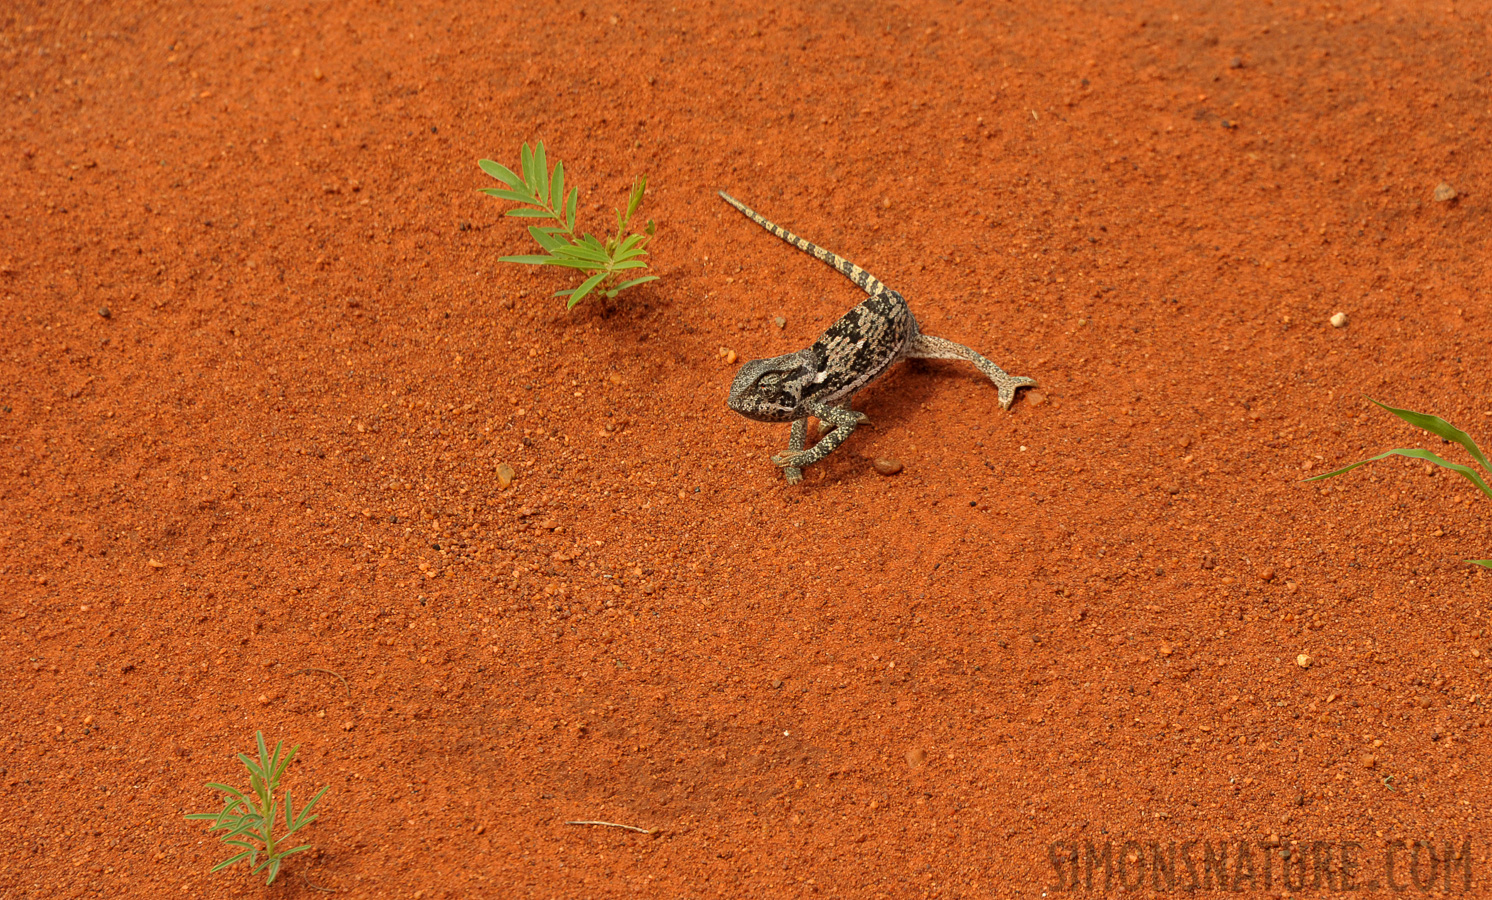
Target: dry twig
(615, 825)
(326, 672)
(316, 887)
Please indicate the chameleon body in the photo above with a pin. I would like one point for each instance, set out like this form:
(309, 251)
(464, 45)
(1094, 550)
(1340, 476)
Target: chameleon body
(820, 380)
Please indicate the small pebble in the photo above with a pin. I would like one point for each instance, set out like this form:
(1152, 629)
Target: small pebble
(505, 475)
(1035, 398)
(1266, 574)
(780, 322)
(886, 465)
(1166, 651)
(730, 357)
(1444, 193)
(916, 757)
(104, 311)
(1303, 661)
(1339, 320)
(1369, 761)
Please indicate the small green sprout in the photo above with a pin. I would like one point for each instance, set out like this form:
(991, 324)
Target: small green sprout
(1440, 427)
(248, 819)
(543, 192)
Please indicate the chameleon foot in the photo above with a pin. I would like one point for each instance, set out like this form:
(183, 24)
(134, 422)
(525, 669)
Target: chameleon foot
(789, 459)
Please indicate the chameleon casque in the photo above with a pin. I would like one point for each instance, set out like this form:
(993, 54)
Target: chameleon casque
(821, 379)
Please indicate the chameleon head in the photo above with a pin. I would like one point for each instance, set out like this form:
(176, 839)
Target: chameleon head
(772, 390)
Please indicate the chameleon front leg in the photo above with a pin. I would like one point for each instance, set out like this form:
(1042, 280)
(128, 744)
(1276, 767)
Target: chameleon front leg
(795, 440)
(844, 421)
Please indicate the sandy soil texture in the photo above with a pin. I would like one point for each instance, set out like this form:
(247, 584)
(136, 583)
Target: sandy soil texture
(260, 366)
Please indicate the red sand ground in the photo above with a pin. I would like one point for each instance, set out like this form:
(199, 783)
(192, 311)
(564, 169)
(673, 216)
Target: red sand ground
(1073, 623)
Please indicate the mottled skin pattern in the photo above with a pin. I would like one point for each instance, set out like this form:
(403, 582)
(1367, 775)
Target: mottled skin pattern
(820, 380)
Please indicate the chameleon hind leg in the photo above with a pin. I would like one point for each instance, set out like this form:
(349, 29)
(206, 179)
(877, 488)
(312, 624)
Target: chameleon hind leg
(796, 458)
(925, 346)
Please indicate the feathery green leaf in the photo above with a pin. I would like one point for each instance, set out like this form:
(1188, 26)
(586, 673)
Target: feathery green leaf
(544, 193)
(248, 822)
(500, 172)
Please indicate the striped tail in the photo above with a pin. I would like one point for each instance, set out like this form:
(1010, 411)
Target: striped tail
(863, 279)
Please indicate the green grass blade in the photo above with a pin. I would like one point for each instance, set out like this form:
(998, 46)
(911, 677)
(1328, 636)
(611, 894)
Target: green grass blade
(286, 853)
(299, 824)
(282, 762)
(500, 172)
(629, 264)
(626, 252)
(527, 167)
(541, 172)
(573, 251)
(582, 249)
(238, 796)
(1344, 470)
(545, 238)
(583, 265)
(1441, 428)
(301, 819)
(527, 260)
(531, 213)
(515, 196)
(228, 862)
(633, 283)
(570, 210)
(635, 200)
(585, 288)
(274, 869)
(1467, 472)
(557, 188)
(1484, 563)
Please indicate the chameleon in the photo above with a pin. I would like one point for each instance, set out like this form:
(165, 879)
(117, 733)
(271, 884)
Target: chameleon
(821, 379)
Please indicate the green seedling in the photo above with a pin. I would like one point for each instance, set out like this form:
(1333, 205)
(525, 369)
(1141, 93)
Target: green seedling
(543, 193)
(1441, 428)
(248, 818)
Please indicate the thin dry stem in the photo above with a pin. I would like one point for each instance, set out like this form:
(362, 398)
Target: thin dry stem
(325, 672)
(614, 825)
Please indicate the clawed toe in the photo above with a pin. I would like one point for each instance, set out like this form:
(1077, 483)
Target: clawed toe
(789, 459)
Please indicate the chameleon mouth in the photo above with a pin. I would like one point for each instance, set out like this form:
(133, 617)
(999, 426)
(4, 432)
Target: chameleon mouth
(760, 412)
